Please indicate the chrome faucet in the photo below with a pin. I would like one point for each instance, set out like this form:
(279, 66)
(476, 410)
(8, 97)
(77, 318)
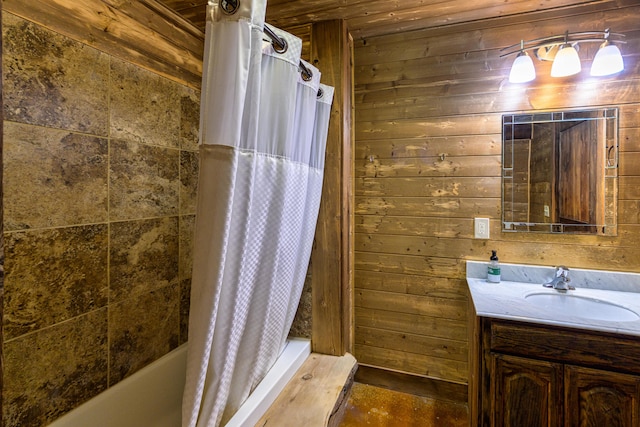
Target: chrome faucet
(560, 281)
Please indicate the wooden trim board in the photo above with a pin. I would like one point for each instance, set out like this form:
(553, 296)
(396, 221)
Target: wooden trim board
(332, 256)
(412, 384)
(317, 394)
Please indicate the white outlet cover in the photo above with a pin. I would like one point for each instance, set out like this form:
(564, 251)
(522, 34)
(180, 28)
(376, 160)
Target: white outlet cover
(481, 228)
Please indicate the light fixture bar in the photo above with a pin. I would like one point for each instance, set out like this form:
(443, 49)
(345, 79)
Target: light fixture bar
(562, 49)
(579, 37)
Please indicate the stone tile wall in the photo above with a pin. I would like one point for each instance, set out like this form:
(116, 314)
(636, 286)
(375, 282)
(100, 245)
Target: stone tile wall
(100, 172)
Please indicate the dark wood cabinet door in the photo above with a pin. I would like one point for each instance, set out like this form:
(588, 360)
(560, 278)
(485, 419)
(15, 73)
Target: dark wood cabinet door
(595, 398)
(526, 392)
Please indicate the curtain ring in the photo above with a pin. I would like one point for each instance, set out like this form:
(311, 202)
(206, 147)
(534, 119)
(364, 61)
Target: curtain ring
(320, 93)
(280, 48)
(230, 6)
(306, 73)
(279, 44)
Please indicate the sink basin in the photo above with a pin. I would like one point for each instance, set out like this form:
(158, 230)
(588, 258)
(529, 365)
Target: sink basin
(586, 308)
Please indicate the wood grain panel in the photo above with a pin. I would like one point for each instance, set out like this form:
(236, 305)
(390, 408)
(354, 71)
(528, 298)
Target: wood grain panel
(409, 342)
(594, 398)
(629, 188)
(443, 207)
(438, 287)
(629, 213)
(412, 384)
(429, 127)
(415, 226)
(439, 166)
(410, 105)
(482, 34)
(415, 363)
(560, 344)
(420, 325)
(368, 18)
(630, 164)
(429, 186)
(313, 397)
(332, 255)
(630, 114)
(445, 308)
(629, 138)
(412, 245)
(443, 90)
(463, 145)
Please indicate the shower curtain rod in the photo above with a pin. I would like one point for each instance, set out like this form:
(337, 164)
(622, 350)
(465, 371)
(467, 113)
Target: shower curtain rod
(280, 45)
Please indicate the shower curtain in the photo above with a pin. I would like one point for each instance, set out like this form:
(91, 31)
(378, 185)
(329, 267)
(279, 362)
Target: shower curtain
(263, 132)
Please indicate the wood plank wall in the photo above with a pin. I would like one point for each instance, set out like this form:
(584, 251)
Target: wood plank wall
(428, 158)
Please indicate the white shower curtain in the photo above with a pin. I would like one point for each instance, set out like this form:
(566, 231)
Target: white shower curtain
(263, 133)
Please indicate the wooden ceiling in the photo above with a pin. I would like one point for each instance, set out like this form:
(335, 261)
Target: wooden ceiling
(368, 18)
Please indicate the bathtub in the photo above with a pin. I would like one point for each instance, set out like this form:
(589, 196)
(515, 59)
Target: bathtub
(153, 396)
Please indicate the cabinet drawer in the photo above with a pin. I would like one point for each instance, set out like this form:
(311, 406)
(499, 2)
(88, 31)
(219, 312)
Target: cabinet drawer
(593, 349)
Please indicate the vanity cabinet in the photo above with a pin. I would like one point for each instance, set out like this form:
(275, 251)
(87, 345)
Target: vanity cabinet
(526, 392)
(595, 397)
(530, 375)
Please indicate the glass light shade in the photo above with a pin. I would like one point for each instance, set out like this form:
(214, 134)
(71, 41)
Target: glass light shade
(608, 60)
(567, 62)
(522, 70)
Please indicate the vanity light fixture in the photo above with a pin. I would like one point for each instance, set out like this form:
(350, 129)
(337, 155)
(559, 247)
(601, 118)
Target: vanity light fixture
(608, 60)
(567, 62)
(522, 70)
(563, 51)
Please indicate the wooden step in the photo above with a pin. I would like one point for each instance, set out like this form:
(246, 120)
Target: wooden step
(316, 395)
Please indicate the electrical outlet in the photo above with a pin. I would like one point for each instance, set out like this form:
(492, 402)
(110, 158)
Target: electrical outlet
(546, 211)
(481, 228)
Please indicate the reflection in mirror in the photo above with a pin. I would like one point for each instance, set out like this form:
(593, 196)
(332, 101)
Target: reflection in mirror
(560, 171)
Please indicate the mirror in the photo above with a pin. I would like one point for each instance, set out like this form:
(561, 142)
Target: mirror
(560, 172)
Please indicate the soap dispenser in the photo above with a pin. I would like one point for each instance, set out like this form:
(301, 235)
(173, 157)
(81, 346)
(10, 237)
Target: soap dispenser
(493, 272)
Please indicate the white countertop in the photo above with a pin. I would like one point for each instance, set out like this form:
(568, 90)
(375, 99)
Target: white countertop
(506, 300)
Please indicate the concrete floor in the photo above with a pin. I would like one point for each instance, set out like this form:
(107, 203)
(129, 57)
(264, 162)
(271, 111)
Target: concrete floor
(375, 406)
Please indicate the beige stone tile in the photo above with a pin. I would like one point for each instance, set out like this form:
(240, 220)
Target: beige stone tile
(187, 226)
(188, 181)
(142, 329)
(53, 275)
(143, 257)
(185, 305)
(144, 181)
(49, 372)
(52, 177)
(302, 321)
(189, 118)
(53, 81)
(145, 107)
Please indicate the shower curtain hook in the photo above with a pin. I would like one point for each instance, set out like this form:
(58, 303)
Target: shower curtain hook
(230, 6)
(306, 73)
(279, 44)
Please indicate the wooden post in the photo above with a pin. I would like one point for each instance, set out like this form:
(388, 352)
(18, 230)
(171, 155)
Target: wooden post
(332, 256)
